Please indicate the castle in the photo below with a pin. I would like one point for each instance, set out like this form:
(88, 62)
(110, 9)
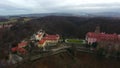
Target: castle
(46, 39)
(42, 38)
(104, 40)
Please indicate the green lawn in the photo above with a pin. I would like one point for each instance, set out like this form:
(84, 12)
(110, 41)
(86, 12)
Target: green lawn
(76, 41)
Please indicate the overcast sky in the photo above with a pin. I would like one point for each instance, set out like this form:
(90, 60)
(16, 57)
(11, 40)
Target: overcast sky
(12, 7)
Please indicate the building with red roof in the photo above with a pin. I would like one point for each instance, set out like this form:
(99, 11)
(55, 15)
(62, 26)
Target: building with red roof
(14, 49)
(1, 26)
(51, 38)
(39, 35)
(48, 39)
(22, 44)
(42, 43)
(104, 40)
(20, 47)
(97, 37)
(6, 26)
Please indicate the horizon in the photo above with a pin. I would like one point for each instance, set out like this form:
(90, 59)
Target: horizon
(18, 7)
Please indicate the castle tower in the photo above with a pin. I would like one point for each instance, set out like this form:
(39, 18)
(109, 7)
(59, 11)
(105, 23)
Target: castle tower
(97, 30)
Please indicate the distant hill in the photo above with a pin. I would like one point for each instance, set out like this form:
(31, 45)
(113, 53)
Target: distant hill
(78, 14)
(2, 19)
(108, 14)
(40, 15)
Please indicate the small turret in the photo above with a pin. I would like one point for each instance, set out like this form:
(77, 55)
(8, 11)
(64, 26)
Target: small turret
(97, 30)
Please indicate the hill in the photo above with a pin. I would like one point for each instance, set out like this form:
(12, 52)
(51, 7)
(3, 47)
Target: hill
(77, 26)
(65, 26)
(64, 60)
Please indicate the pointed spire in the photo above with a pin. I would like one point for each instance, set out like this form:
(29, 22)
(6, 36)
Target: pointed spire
(97, 30)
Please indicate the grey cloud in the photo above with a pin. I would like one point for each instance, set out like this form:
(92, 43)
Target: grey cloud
(10, 7)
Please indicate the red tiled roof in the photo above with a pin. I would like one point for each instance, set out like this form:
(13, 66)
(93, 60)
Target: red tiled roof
(1, 26)
(48, 37)
(42, 41)
(22, 44)
(14, 49)
(102, 36)
(51, 37)
(22, 50)
(19, 48)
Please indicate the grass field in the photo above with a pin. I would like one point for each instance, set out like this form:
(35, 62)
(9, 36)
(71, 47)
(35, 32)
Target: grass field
(76, 41)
